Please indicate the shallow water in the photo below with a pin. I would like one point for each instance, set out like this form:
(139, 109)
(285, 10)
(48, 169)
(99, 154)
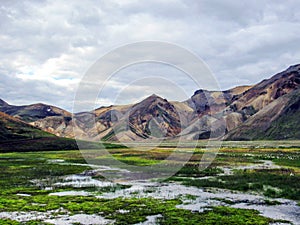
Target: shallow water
(201, 200)
(265, 164)
(287, 210)
(80, 181)
(71, 193)
(151, 220)
(79, 218)
(48, 217)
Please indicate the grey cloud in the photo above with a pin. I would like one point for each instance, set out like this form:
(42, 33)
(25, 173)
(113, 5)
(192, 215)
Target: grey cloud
(242, 42)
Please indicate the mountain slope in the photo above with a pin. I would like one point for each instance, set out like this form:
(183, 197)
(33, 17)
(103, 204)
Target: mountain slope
(16, 135)
(268, 90)
(267, 108)
(278, 120)
(153, 117)
(14, 129)
(204, 102)
(30, 113)
(212, 115)
(260, 111)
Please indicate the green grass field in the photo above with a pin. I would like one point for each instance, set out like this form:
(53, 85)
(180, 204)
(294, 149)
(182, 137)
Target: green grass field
(25, 179)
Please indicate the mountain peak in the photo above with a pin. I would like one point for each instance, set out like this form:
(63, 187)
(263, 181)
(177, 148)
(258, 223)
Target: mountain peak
(3, 103)
(154, 96)
(200, 91)
(292, 68)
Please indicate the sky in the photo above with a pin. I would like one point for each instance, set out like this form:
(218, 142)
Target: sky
(47, 47)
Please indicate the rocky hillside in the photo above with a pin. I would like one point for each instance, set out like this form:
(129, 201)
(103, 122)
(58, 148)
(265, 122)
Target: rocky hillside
(278, 120)
(209, 102)
(153, 117)
(30, 113)
(16, 135)
(236, 109)
(268, 90)
(267, 110)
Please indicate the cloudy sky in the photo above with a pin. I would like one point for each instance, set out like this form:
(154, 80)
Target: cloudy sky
(48, 46)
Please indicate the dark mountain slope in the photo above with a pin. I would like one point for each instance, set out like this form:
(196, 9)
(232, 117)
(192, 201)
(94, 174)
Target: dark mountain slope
(153, 117)
(263, 93)
(204, 102)
(16, 135)
(246, 112)
(12, 128)
(30, 113)
(278, 120)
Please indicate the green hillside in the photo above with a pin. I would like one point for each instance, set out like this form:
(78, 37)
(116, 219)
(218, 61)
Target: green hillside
(14, 129)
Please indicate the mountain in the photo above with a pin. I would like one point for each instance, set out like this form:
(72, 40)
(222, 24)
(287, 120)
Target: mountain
(212, 116)
(30, 113)
(268, 90)
(270, 108)
(247, 112)
(278, 120)
(267, 110)
(153, 117)
(204, 102)
(60, 126)
(56, 119)
(16, 135)
(12, 128)
(3, 104)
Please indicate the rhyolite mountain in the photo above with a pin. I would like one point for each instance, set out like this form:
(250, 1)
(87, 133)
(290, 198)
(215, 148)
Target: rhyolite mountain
(153, 117)
(12, 128)
(267, 110)
(16, 135)
(19, 136)
(30, 113)
(278, 120)
(237, 111)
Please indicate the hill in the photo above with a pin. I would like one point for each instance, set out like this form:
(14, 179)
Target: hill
(16, 135)
(30, 113)
(267, 110)
(278, 120)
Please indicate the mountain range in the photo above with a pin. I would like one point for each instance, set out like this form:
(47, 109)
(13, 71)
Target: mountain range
(267, 110)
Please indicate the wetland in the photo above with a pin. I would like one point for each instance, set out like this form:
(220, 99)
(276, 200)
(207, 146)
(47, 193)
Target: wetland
(247, 183)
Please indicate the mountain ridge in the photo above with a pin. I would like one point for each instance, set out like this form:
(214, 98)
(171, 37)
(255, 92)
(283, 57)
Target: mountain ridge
(205, 114)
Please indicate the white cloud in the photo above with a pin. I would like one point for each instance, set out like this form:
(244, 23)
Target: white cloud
(47, 46)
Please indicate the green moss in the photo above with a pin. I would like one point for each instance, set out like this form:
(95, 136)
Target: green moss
(13, 222)
(217, 215)
(18, 169)
(289, 186)
(192, 170)
(190, 197)
(135, 210)
(8, 222)
(272, 202)
(135, 160)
